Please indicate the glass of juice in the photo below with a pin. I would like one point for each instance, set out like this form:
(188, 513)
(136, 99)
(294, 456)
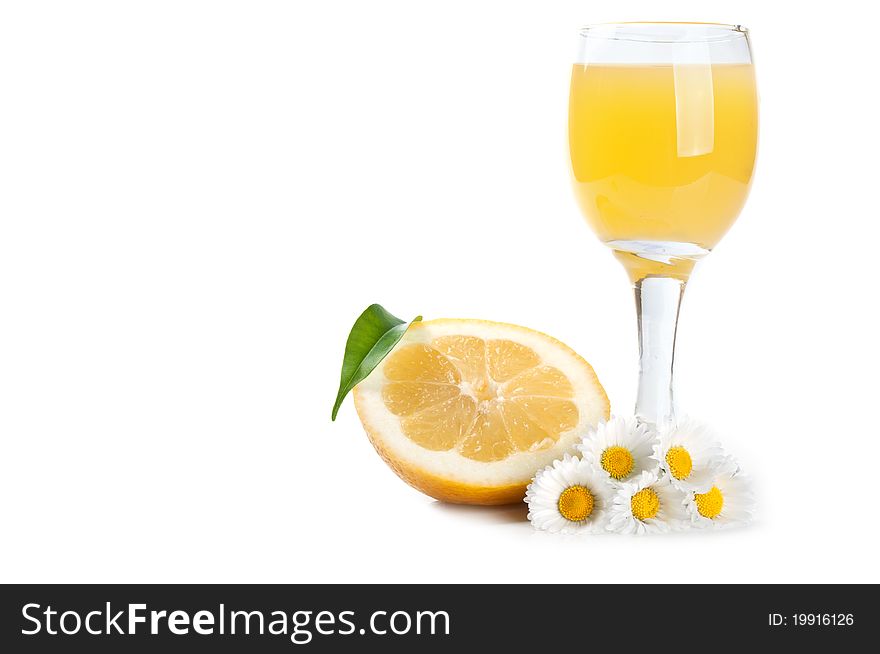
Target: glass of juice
(663, 127)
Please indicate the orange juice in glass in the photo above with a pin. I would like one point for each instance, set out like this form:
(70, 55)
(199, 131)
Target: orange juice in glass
(663, 123)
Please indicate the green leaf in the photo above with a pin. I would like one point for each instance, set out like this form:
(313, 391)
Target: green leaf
(373, 336)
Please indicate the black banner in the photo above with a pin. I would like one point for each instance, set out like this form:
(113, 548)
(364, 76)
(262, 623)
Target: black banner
(429, 618)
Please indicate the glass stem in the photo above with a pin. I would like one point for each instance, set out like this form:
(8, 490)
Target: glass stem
(657, 303)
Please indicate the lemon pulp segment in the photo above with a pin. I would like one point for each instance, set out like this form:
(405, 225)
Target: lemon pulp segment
(485, 398)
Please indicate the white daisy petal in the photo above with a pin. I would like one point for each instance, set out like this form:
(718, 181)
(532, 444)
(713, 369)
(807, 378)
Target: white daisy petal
(689, 453)
(672, 505)
(620, 449)
(648, 504)
(728, 502)
(592, 495)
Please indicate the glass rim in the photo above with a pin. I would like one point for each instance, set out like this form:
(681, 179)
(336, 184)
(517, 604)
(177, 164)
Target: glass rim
(653, 31)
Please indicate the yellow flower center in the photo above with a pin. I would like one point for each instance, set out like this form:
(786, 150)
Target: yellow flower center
(617, 461)
(709, 504)
(645, 504)
(679, 461)
(576, 503)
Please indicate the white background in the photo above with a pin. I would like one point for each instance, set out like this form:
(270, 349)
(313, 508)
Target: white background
(198, 198)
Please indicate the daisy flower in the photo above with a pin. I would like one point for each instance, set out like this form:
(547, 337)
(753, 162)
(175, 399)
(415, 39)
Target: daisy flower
(688, 452)
(648, 504)
(728, 502)
(621, 449)
(568, 497)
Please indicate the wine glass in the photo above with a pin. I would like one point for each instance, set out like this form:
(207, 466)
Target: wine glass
(663, 124)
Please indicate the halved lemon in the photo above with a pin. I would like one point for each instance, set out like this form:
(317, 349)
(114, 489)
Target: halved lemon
(467, 411)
